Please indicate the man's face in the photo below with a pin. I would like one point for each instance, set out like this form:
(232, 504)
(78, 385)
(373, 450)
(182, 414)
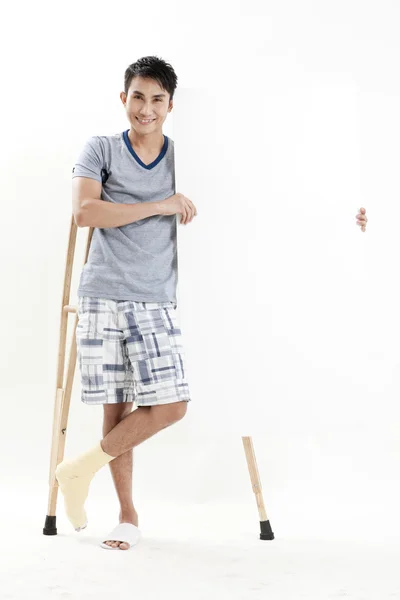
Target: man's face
(147, 105)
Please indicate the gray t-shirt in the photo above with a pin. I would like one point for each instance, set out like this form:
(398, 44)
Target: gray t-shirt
(137, 261)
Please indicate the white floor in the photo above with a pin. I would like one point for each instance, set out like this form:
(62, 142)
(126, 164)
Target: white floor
(205, 551)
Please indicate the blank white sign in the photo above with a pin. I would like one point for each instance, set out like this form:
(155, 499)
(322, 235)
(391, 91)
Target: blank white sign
(275, 286)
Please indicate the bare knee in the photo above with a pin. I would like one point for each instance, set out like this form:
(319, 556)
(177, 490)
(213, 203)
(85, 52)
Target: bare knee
(167, 414)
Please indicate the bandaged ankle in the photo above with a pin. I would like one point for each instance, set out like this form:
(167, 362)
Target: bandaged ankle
(74, 477)
(89, 462)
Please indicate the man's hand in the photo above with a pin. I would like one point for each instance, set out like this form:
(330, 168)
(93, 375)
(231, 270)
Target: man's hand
(362, 219)
(178, 204)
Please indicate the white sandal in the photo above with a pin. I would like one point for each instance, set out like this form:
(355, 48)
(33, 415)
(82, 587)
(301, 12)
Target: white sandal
(124, 532)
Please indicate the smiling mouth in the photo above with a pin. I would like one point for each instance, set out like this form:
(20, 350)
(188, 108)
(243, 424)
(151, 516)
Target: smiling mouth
(145, 121)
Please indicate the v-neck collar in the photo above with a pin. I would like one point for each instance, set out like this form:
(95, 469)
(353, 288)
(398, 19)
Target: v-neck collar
(135, 156)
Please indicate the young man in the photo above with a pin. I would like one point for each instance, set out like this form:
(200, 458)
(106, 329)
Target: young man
(128, 336)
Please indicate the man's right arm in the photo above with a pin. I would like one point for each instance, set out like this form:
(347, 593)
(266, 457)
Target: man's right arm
(90, 211)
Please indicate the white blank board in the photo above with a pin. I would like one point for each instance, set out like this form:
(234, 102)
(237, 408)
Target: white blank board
(275, 286)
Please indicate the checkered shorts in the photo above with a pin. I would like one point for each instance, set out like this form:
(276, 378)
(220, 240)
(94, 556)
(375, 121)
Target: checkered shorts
(130, 351)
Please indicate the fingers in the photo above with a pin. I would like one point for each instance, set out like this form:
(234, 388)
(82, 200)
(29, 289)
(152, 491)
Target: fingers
(184, 216)
(192, 212)
(362, 219)
(189, 211)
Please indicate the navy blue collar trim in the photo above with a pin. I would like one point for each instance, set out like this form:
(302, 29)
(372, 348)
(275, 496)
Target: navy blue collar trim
(135, 156)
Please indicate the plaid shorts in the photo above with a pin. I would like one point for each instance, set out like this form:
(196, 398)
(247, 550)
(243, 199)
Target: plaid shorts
(130, 351)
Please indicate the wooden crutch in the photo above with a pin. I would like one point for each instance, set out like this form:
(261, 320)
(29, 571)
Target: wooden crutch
(265, 526)
(63, 388)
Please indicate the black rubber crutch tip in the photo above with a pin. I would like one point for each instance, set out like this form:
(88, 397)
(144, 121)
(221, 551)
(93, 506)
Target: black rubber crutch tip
(266, 531)
(50, 526)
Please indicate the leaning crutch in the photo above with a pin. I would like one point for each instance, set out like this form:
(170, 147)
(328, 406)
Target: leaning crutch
(265, 525)
(63, 387)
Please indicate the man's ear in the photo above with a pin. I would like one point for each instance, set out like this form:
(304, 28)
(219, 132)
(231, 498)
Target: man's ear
(171, 106)
(123, 97)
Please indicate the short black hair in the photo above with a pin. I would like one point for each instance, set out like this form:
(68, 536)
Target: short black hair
(155, 68)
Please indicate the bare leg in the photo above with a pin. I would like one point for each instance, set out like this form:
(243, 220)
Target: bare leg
(140, 425)
(130, 431)
(121, 467)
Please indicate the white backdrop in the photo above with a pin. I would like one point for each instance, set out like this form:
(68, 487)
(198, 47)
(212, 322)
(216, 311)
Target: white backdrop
(286, 121)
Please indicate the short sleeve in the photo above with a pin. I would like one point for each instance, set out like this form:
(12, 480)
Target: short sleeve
(90, 162)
